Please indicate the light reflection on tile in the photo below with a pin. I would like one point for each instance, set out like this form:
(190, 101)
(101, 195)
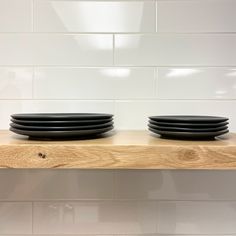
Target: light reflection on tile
(95, 217)
(175, 49)
(196, 83)
(95, 16)
(95, 83)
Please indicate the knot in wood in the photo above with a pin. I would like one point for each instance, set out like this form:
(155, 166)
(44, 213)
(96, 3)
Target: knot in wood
(42, 155)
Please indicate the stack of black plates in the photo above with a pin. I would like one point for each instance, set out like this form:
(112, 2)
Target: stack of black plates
(188, 127)
(61, 125)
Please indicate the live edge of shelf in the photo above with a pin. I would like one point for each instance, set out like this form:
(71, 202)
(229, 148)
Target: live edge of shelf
(118, 150)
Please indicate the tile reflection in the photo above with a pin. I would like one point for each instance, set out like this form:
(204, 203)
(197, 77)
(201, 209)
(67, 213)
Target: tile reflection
(95, 217)
(95, 16)
(197, 83)
(182, 72)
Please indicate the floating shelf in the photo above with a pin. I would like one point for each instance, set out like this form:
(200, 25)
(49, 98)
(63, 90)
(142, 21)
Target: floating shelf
(118, 150)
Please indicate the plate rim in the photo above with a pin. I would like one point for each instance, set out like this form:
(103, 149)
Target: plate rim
(182, 129)
(180, 118)
(50, 128)
(212, 134)
(60, 116)
(188, 124)
(60, 134)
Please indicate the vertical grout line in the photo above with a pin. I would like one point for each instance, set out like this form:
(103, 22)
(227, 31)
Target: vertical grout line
(32, 15)
(156, 15)
(113, 49)
(114, 185)
(157, 217)
(156, 82)
(33, 81)
(32, 217)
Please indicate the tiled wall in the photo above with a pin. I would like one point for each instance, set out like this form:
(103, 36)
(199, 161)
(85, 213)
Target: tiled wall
(133, 59)
(84, 202)
(130, 58)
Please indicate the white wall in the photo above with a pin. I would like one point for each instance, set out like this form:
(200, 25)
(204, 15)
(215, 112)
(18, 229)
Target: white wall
(133, 59)
(130, 58)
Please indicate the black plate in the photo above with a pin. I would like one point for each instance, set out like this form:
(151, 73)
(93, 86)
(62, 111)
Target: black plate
(189, 125)
(61, 116)
(180, 129)
(191, 119)
(188, 135)
(61, 128)
(61, 134)
(60, 123)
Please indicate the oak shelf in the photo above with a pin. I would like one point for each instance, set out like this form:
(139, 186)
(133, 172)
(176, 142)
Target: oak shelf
(119, 150)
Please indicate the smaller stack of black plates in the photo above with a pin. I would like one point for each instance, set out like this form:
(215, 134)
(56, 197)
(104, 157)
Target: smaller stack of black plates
(188, 127)
(61, 125)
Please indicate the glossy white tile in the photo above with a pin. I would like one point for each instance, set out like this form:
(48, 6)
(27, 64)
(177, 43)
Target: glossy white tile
(55, 49)
(16, 185)
(8, 107)
(196, 217)
(196, 16)
(196, 83)
(16, 82)
(16, 218)
(94, 83)
(95, 217)
(15, 16)
(134, 114)
(95, 16)
(174, 185)
(175, 50)
(71, 184)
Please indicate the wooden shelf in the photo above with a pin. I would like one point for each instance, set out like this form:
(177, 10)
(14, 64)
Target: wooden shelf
(119, 150)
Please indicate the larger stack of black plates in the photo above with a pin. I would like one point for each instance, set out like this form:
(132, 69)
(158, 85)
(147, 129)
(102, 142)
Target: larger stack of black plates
(188, 127)
(61, 125)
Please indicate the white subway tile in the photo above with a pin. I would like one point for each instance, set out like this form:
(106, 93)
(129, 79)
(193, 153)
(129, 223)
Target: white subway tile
(95, 16)
(55, 49)
(175, 185)
(15, 16)
(15, 82)
(196, 83)
(176, 50)
(8, 107)
(196, 217)
(15, 185)
(94, 83)
(71, 184)
(134, 114)
(15, 218)
(95, 217)
(196, 16)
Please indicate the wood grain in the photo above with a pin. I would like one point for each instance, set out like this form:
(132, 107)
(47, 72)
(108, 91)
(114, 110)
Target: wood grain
(119, 150)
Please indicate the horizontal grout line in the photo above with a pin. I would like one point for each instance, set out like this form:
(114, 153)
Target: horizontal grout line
(120, 66)
(121, 33)
(114, 200)
(115, 100)
(139, 234)
(146, 234)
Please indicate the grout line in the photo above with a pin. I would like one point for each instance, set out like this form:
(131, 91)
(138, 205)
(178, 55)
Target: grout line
(157, 218)
(33, 81)
(156, 6)
(115, 184)
(121, 33)
(33, 201)
(121, 66)
(119, 100)
(156, 82)
(32, 16)
(32, 217)
(113, 49)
